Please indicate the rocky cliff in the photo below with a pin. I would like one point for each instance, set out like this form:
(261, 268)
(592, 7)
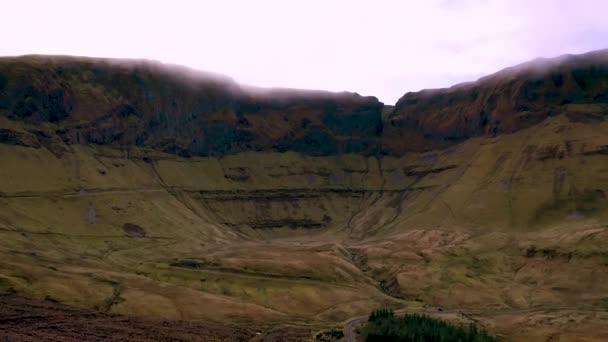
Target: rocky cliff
(177, 110)
(505, 102)
(190, 113)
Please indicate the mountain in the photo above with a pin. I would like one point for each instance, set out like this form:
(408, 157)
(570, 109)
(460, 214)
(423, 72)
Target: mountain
(505, 102)
(191, 113)
(181, 111)
(137, 188)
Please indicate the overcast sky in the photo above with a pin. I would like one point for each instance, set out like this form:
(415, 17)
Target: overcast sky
(380, 48)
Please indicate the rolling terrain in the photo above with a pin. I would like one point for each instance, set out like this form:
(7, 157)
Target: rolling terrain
(157, 192)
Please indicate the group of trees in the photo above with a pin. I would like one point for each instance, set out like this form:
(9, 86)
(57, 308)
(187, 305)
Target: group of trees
(384, 326)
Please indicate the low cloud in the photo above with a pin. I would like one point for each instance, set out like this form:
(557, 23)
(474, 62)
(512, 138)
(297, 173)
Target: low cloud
(380, 48)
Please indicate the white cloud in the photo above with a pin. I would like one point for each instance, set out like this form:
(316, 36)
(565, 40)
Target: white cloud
(381, 48)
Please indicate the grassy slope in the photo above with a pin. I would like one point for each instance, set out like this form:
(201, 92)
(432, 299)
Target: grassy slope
(517, 221)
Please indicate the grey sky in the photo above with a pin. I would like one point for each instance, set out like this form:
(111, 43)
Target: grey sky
(380, 48)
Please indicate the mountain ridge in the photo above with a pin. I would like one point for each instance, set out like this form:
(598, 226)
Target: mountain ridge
(179, 110)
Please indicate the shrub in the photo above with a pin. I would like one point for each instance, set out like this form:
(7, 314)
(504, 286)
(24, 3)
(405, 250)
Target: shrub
(384, 326)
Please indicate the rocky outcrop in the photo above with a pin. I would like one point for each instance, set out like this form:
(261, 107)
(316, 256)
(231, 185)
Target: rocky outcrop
(510, 100)
(190, 113)
(181, 111)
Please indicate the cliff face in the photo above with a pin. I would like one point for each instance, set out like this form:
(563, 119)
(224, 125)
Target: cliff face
(180, 111)
(508, 101)
(189, 113)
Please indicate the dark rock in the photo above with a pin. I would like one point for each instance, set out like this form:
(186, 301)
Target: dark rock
(9, 137)
(134, 231)
(286, 223)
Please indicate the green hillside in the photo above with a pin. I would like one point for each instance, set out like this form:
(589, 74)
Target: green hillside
(500, 228)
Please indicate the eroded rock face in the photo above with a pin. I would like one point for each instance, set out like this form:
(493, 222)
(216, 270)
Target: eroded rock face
(181, 111)
(190, 113)
(505, 102)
